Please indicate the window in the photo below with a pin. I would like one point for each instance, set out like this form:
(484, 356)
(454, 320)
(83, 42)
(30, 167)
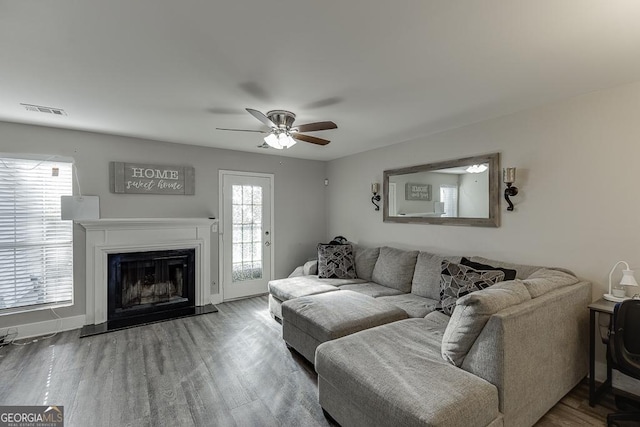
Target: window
(36, 246)
(449, 196)
(246, 258)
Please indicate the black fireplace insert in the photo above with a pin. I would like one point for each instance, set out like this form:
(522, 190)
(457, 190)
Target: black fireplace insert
(142, 284)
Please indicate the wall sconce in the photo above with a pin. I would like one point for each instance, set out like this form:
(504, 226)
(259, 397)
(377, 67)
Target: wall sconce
(619, 293)
(509, 177)
(375, 188)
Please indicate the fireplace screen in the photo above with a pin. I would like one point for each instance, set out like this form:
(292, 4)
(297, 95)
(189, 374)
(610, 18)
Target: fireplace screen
(152, 281)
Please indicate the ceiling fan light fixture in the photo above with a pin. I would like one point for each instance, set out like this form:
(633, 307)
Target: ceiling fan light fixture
(282, 134)
(272, 141)
(285, 140)
(279, 140)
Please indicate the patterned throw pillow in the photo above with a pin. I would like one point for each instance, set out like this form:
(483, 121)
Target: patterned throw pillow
(509, 274)
(458, 280)
(336, 262)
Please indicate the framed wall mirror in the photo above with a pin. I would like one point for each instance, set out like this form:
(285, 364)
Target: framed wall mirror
(454, 192)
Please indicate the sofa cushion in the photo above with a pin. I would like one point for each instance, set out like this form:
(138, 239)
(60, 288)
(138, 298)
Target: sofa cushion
(372, 289)
(459, 280)
(295, 287)
(547, 279)
(472, 312)
(414, 305)
(394, 268)
(365, 261)
(395, 375)
(426, 277)
(509, 274)
(326, 317)
(439, 318)
(336, 262)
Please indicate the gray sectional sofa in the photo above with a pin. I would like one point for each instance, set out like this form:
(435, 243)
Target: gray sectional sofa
(504, 356)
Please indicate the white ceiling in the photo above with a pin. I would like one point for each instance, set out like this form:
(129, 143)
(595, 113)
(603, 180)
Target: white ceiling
(385, 72)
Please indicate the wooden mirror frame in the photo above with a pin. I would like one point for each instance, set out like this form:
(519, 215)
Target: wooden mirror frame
(494, 192)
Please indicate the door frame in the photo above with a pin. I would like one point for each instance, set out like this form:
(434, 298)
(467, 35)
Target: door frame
(393, 206)
(221, 248)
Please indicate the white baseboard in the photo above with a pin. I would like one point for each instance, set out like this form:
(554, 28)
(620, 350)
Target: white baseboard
(47, 327)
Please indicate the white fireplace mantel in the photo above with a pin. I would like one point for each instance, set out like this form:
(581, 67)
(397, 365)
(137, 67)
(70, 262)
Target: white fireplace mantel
(118, 235)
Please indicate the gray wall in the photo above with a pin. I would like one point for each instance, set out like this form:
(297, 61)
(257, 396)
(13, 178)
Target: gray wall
(300, 199)
(578, 173)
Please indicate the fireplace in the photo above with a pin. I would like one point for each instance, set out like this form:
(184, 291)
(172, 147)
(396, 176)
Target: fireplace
(143, 284)
(108, 238)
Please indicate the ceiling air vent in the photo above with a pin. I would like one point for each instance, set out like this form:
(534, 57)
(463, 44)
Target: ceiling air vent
(41, 109)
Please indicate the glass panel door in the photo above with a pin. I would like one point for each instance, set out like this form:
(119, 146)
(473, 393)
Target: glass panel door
(246, 234)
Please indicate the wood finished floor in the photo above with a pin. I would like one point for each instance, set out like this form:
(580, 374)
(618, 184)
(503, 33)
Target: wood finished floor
(229, 368)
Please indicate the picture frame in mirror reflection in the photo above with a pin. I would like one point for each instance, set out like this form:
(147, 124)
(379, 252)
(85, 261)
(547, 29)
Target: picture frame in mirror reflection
(415, 191)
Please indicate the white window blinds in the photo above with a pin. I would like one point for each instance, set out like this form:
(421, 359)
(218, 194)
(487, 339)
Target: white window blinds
(449, 196)
(36, 246)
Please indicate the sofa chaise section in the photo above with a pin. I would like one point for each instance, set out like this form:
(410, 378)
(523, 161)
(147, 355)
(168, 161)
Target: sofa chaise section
(282, 290)
(314, 319)
(393, 375)
(531, 353)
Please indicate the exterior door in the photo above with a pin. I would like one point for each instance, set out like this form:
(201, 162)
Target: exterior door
(247, 241)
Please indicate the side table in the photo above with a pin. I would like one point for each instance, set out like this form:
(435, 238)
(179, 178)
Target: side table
(600, 307)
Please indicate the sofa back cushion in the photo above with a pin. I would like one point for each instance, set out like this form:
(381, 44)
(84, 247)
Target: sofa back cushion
(394, 268)
(365, 261)
(546, 279)
(471, 314)
(426, 277)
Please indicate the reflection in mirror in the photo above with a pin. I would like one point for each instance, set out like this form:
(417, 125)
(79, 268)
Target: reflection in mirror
(456, 192)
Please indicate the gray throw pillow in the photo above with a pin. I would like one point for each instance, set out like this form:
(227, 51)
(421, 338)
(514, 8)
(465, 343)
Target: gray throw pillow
(394, 268)
(336, 262)
(471, 314)
(457, 280)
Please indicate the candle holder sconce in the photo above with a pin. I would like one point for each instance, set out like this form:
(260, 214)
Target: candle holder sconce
(509, 177)
(375, 188)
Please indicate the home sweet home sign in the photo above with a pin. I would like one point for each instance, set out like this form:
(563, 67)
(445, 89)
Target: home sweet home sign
(138, 178)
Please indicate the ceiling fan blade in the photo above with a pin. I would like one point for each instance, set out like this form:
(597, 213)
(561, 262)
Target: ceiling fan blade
(311, 139)
(242, 130)
(260, 116)
(312, 127)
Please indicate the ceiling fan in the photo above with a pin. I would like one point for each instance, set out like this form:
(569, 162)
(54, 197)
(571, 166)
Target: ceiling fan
(282, 133)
